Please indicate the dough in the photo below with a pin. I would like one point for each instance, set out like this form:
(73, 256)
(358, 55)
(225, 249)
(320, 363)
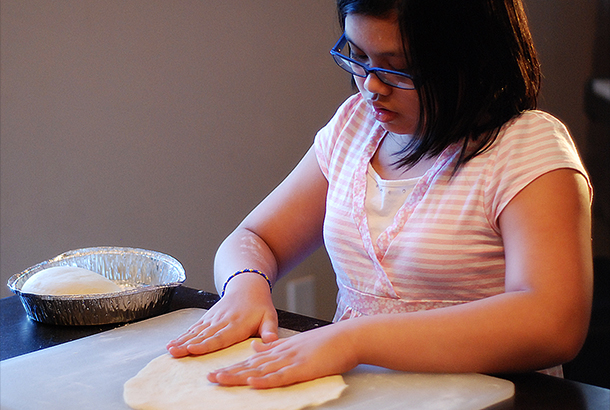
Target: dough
(68, 280)
(167, 383)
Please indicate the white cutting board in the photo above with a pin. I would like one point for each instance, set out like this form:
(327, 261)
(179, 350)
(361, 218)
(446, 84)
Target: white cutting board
(89, 373)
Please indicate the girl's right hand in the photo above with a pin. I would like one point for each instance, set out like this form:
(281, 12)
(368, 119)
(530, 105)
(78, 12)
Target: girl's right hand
(245, 310)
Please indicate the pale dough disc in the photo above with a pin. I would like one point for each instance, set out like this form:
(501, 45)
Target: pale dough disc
(167, 383)
(68, 280)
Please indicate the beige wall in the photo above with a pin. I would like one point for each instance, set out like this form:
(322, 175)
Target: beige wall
(155, 124)
(563, 32)
(159, 124)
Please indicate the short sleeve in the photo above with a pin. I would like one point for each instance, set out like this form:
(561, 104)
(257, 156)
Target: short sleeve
(530, 146)
(326, 139)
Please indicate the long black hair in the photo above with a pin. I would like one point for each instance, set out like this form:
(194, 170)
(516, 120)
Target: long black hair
(474, 63)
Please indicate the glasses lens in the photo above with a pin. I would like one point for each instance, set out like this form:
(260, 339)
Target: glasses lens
(350, 66)
(396, 80)
(353, 67)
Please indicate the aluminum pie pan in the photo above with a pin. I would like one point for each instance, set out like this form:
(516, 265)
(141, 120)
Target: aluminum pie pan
(148, 278)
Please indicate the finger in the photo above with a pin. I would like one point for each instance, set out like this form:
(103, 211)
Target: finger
(270, 374)
(238, 374)
(189, 336)
(191, 332)
(225, 337)
(234, 375)
(268, 331)
(282, 377)
(196, 327)
(197, 336)
(261, 346)
(181, 349)
(225, 378)
(178, 351)
(208, 345)
(182, 340)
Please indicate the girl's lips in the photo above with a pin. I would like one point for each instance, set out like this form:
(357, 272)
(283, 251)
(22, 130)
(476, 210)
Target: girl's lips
(383, 115)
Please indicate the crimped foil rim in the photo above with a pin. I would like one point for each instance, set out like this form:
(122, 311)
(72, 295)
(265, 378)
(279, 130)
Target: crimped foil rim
(151, 278)
(15, 285)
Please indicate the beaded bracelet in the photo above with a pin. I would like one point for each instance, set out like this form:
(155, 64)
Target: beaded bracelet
(247, 270)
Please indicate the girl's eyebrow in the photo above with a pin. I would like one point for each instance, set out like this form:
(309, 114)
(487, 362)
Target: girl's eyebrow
(383, 54)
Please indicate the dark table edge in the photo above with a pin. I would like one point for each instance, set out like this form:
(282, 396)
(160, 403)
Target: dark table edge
(36, 336)
(21, 335)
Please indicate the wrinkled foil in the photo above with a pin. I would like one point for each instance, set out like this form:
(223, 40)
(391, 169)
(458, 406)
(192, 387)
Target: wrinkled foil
(148, 278)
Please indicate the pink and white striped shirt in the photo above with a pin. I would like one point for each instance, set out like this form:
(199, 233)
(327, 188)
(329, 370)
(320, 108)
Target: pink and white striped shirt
(444, 246)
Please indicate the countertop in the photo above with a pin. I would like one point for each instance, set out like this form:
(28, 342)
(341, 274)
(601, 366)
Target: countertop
(20, 335)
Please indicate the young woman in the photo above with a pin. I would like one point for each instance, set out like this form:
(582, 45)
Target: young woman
(456, 216)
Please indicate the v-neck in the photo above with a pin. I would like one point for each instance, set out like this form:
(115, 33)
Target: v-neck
(377, 249)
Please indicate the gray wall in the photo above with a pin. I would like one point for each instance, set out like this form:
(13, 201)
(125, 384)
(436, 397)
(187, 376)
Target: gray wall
(563, 32)
(155, 124)
(160, 124)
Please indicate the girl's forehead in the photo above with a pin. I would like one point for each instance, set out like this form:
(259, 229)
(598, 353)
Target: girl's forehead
(381, 35)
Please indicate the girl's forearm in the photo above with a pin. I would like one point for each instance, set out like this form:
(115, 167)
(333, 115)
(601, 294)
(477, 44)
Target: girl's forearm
(508, 332)
(240, 250)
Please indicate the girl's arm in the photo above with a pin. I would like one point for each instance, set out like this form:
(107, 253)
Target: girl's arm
(278, 234)
(540, 321)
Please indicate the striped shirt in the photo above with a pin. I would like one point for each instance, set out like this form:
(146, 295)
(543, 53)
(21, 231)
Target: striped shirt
(444, 246)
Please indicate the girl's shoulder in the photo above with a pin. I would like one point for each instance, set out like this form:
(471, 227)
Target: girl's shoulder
(351, 122)
(534, 122)
(353, 108)
(527, 147)
(531, 129)
(348, 132)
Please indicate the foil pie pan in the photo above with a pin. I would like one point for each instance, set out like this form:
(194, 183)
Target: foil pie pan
(148, 279)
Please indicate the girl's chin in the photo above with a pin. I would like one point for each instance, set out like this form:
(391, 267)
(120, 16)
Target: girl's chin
(397, 129)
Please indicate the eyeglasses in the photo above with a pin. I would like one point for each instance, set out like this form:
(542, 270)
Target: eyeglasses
(392, 78)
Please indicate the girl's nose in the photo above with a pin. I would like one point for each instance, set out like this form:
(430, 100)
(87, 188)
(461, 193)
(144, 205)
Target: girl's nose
(374, 85)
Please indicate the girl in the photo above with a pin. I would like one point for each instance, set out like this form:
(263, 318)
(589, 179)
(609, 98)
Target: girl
(456, 216)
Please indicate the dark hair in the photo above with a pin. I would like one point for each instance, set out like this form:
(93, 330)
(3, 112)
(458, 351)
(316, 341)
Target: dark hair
(474, 63)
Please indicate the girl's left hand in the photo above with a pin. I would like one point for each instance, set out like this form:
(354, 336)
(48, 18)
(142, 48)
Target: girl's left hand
(306, 356)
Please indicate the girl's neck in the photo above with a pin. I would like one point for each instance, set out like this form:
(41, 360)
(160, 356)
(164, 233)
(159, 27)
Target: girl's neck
(386, 155)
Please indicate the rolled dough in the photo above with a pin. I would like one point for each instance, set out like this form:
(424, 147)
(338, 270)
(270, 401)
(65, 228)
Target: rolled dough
(68, 280)
(167, 383)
